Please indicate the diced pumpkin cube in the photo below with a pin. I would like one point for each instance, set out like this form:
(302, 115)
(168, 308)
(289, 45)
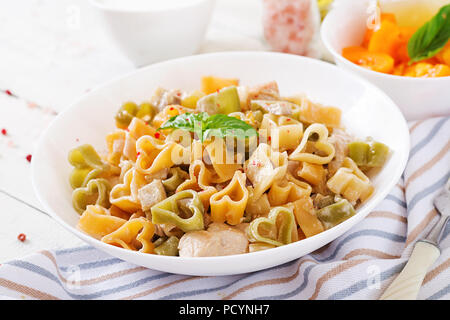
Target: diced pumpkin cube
(212, 84)
(306, 217)
(427, 70)
(443, 56)
(380, 62)
(312, 173)
(385, 38)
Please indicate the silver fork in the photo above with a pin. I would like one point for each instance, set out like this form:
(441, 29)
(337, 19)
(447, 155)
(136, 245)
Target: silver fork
(407, 285)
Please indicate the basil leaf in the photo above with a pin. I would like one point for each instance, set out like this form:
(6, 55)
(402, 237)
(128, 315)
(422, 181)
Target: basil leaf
(431, 37)
(221, 125)
(186, 121)
(205, 126)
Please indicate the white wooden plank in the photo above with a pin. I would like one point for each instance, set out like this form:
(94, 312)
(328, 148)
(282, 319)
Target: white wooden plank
(41, 231)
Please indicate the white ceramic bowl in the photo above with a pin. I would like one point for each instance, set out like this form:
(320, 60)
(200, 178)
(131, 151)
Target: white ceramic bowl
(148, 31)
(366, 112)
(418, 98)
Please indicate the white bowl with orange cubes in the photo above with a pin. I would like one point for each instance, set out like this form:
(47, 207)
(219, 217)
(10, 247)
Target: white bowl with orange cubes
(384, 42)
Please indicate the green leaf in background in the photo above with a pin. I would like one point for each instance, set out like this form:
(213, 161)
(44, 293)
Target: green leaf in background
(431, 37)
(205, 126)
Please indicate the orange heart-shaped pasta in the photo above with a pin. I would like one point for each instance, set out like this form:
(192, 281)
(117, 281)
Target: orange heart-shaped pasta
(124, 195)
(136, 234)
(229, 204)
(97, 222)
(199, 181)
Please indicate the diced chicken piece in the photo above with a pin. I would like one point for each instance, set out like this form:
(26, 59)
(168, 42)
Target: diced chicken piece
(151, 194)
(219, 240)
(280, 108)
(340, 140)
(162, 98)
(267, 91)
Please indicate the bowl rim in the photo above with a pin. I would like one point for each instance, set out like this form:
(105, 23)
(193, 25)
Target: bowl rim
(346, 225)
(326, 25)
(181, 5)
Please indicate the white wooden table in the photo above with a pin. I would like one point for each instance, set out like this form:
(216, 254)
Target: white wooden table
(51, 52)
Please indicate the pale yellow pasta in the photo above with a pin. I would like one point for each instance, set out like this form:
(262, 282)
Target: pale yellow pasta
(155, 155)
(312, 173)
(264, 167)
(321, 144)
(135, 234)
(288, 190)
(199, 181)
(125, 195)
(222, 160)
(257, 207)
(350, 182)
(97, 222)
(281, 132)
(228, 205)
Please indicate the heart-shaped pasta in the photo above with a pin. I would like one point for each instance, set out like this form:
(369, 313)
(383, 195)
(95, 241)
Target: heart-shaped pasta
(87, 166)
(321, 144)
(264, 167)
(350, 182)
(176, 177)
(229, 204)
(136, 234)
(278, 229)
(199, 181)
(124, 195)
(155, 154)
(222, 160)
(288, 190)
(97, 222)
(184, 209)
(96, 192)
(281, 132)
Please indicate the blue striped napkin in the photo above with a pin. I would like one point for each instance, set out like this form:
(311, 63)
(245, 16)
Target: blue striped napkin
(358, 265)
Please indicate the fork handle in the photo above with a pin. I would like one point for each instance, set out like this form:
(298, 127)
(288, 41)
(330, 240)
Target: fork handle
(407, 285)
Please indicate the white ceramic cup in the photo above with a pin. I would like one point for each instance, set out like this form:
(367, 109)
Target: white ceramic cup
(152, 31)
(418, 98)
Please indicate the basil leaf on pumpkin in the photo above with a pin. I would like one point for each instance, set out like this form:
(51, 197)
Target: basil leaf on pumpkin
(431, 37)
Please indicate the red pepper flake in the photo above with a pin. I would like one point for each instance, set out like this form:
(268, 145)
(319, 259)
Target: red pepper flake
(171, 108)
(288, 119)
(157, 135)
(22, 237)
(28, 157)
(270, 138)
(138, 154)
(4, 132)
(8, 92)
(179, 94)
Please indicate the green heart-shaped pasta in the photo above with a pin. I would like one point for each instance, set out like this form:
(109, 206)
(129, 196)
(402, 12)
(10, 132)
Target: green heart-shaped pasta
(95, 192)
(88, 165)
(278, 229)
(171, 211)
(176, 177)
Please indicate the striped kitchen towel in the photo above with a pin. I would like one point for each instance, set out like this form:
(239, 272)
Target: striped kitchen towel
(358, 265)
